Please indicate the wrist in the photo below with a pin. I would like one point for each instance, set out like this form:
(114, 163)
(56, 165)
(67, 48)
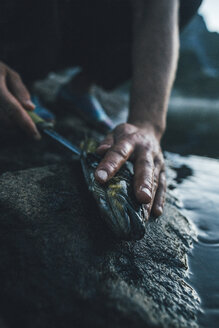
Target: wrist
(150, 127)
(151, 116)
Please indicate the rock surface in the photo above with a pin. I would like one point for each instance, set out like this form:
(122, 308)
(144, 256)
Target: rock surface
(61, 267)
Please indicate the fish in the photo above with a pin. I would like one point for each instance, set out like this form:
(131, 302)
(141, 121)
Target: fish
(115, 199)
(124, 216)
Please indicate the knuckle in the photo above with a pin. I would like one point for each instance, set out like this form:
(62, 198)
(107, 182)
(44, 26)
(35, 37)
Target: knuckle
(120, 129)
(109, 166)
(145, 162)
(121, 151)
(148, 183)
(148, 146)
(156, 179)
(120, 126)
(124, 129)
(155, 184)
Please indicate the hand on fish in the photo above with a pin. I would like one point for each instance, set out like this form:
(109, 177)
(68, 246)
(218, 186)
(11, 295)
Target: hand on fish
(142, 147)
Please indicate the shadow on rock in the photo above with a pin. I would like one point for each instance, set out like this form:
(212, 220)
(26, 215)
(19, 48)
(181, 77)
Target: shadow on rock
(61, 267)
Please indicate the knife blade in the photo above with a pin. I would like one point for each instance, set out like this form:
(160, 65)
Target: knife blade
(48, 129)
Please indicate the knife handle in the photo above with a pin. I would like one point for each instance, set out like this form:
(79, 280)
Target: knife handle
(39, 121)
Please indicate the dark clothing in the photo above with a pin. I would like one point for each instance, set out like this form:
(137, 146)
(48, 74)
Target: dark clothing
(44, 35)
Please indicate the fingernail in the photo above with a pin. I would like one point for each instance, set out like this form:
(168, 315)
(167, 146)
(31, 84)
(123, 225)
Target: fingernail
(160, 209)
(30, 103)
(146, 191)
(102, 175)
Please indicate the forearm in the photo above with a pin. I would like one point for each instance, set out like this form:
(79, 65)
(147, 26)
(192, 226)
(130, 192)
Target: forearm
(155, 54)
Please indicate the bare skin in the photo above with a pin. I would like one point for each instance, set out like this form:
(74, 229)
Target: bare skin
(155, 52)
(141, 145)
(15, 101)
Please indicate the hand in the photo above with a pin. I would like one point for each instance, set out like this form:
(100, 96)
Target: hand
(142, 146)
(14, 101)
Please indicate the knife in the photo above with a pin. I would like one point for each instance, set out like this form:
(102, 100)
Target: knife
(48, 129)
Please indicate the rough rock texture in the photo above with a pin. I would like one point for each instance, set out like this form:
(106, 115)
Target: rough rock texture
(59, 264)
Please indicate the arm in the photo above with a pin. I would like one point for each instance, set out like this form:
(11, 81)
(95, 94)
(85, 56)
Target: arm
(155, 53)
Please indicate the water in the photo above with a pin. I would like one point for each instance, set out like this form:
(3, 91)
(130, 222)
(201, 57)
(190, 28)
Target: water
(192, 126)
(198, 188)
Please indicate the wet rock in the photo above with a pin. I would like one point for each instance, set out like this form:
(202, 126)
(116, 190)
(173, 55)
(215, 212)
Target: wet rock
(61, 267)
